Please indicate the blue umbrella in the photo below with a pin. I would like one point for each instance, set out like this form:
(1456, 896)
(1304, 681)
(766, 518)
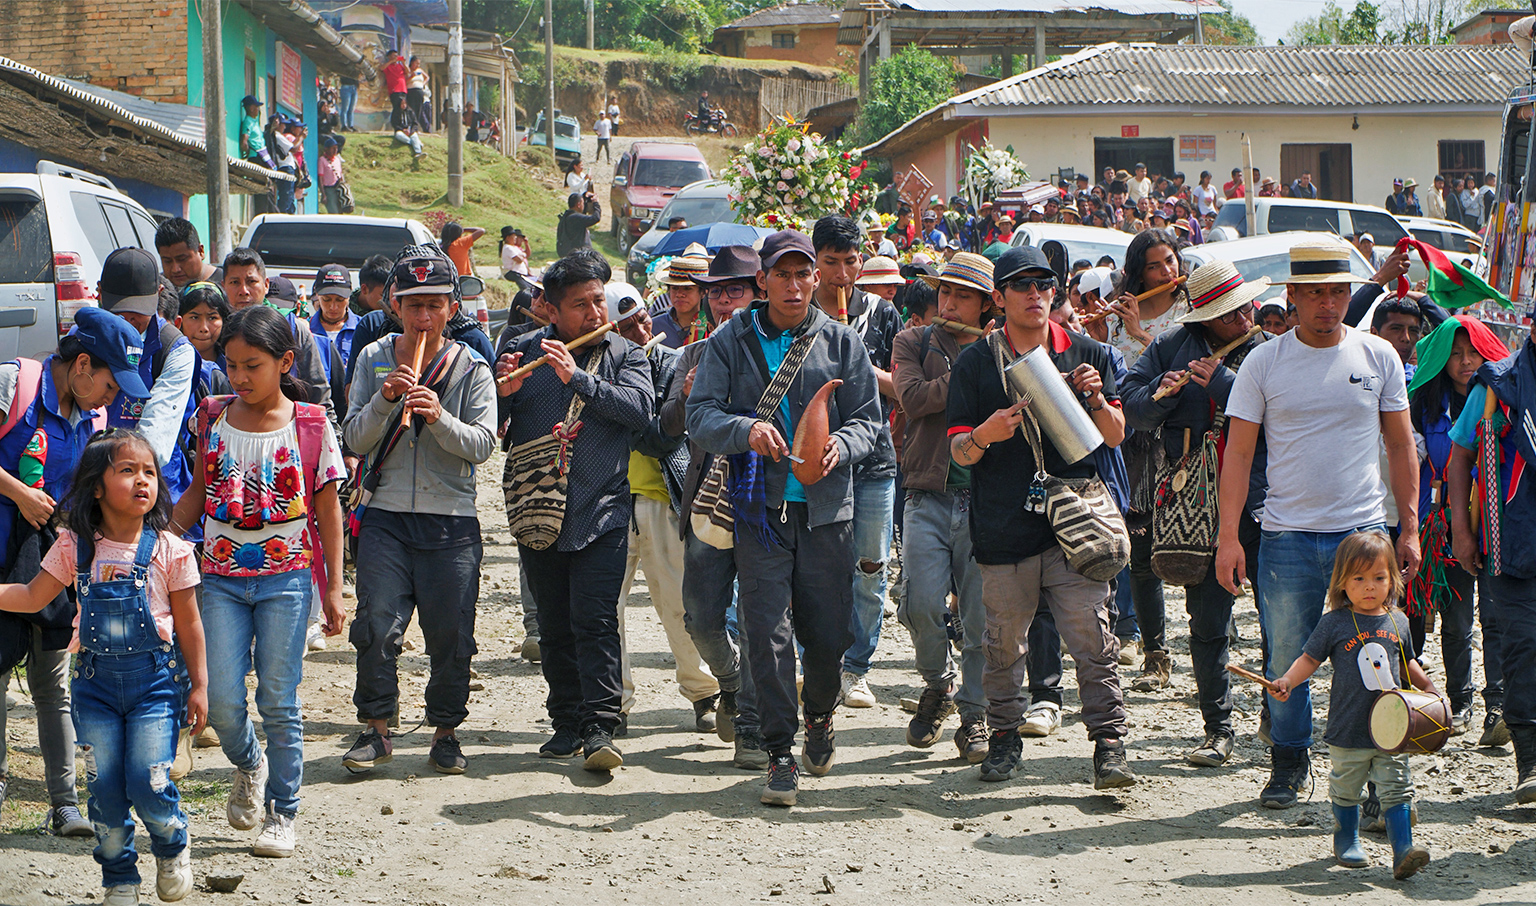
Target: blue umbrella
(713, 236)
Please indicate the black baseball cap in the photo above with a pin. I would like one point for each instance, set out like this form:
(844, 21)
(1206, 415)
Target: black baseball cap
(130, 282)
(282, 294)
(334, 279)
(782, 243)
(422, 269)
(114, 341)
(1017, 260)
(250, 100)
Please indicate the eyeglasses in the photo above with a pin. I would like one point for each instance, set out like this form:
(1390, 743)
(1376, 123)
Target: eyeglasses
(1025, 284)
(735, 292)
(1233, 317)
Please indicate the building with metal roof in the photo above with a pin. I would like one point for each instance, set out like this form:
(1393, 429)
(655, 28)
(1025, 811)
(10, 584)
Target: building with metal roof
(803, 32)
(1354, 116)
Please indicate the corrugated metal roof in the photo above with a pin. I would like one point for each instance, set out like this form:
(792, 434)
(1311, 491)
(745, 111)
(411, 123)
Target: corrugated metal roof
(181, 119)
(799, 14)
(1190, 75)
(1127, 7)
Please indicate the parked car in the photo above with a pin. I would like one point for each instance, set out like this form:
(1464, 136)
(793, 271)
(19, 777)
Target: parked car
(567, 136)
(1064, 243)
(1459, 243)
(1267, 256)
(706, 201)
(57, 226)
(1283, 215)
(645, 179)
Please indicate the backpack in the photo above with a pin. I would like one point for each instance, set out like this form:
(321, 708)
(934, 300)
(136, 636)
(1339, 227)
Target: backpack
(310, 424)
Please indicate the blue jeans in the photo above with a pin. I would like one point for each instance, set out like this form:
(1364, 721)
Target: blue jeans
(1123, 614)
(710, 616)
(873, 503)
(285, 189)
(348, 104)
(272, 611)
(936, 544)
(127, 710)
(1291, 588)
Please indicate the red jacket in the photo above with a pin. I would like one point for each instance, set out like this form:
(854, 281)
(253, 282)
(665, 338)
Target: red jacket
(394, 77)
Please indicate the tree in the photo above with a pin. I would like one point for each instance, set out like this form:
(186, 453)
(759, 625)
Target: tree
(1333, 26)
(1229, 27)
(1396, 22)
(900, 88)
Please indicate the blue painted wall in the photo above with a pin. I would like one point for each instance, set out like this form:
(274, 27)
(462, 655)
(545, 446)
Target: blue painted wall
(157, 200)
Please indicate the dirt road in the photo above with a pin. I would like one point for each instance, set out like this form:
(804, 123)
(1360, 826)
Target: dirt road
(677, 824)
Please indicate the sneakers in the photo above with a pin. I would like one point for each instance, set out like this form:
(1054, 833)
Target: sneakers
(601, 753)
(704, 718)
(121, 895)
(173, 875)
(1214, 752)
(1110, 769)
(726, 713)
(1495, 733)
(1043, 719)
(1156, 670)
(1290, 769)
(622, 730)
(820, 744)
(4, 782)
(208, 739)
(371, 750)
(1004, 750)
(314, 638)
(750, 753)
(531, 652)
(276, 838)
(1461, 720)
(856, 692)
(565, 743)
(446, 756)
(1525, 764)
(246, 795)
(1128, 651)
(933, 708)
(971, 740)
(783, 785)
(68, 822)
(181, 765)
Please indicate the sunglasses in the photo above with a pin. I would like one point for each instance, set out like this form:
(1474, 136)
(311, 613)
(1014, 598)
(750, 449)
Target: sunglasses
(1025, 284)
(733, 292)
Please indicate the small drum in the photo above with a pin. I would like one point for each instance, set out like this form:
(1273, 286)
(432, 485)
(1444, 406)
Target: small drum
(1404, 720)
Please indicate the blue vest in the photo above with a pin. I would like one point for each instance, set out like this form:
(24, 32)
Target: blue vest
(125, 412)
(1513, 380)
(65, 444)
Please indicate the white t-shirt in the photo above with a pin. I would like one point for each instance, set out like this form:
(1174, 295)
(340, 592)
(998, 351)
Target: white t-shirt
(1137, 188)
(1206, 197)
(604, 127)
(1321, 413)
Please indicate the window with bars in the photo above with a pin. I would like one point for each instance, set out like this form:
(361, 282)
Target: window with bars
(1459, 158)
(784, 40)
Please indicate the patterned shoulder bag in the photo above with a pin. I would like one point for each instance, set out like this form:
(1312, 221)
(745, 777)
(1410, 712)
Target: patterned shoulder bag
(534, 481)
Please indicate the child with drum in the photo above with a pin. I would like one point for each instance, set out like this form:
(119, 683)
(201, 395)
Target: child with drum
(1367, 640)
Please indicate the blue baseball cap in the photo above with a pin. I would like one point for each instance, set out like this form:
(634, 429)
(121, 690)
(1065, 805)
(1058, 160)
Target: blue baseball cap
(113, 340)
(250, 100)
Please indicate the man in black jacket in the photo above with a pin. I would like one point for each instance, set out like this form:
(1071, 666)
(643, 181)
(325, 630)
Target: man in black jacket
(581, 214)
(1221, 312)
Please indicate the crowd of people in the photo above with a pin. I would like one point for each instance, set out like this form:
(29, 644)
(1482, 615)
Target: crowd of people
(762, 440)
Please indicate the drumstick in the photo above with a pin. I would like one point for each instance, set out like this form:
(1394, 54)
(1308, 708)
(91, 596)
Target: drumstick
(1176, 282)
(1250, 675)
(582, 340)
(957, 327)
(533, 317)
(1220, 353)
(421, 348)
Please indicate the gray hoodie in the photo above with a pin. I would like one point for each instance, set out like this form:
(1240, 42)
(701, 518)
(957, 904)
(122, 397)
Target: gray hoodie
(433, 472)
(730, 382)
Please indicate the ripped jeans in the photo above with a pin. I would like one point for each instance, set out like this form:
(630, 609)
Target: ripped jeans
(127, 711)
(874, 500)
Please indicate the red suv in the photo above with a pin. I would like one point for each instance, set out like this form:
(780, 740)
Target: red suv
(645, 179)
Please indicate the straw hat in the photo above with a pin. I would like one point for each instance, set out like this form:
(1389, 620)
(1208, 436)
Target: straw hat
(682, 269)
(1322, 261)
(967, 270)
(880, 270)
(1216, 289)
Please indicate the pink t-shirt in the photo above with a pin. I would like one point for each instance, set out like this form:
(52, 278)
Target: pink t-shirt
(172, 568)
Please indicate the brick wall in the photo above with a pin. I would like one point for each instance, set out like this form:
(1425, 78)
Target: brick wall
(816, 45)
(134, 46)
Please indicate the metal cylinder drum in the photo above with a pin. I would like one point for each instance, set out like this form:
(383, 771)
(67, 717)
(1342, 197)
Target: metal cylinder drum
(1055, 404)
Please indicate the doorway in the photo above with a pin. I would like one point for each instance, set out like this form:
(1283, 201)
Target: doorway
(1331, 166)
(1126, 153)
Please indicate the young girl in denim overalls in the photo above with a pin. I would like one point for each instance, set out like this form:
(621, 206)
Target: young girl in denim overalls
(138, 654)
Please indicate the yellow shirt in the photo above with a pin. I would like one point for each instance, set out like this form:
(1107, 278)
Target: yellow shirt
(645, 478)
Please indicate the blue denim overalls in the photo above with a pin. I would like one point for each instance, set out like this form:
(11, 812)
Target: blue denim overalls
(128, 702)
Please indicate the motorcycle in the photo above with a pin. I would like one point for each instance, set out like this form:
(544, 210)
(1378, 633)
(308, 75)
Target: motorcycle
(716, 124)
(490, 132)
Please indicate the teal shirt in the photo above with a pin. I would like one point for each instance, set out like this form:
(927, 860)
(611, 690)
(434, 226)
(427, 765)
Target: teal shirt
(774, 350)
(255, 139)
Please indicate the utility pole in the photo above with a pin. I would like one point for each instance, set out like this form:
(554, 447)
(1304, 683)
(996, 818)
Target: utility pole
(549, 73)
(456, 103)
(213, 129)
(591, 15)
(1199, 27)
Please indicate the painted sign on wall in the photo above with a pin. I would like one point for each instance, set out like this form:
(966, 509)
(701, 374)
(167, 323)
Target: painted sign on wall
(290, 78)
(1197, 147)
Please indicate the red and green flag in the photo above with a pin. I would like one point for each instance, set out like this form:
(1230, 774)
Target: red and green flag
(1450, 284)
